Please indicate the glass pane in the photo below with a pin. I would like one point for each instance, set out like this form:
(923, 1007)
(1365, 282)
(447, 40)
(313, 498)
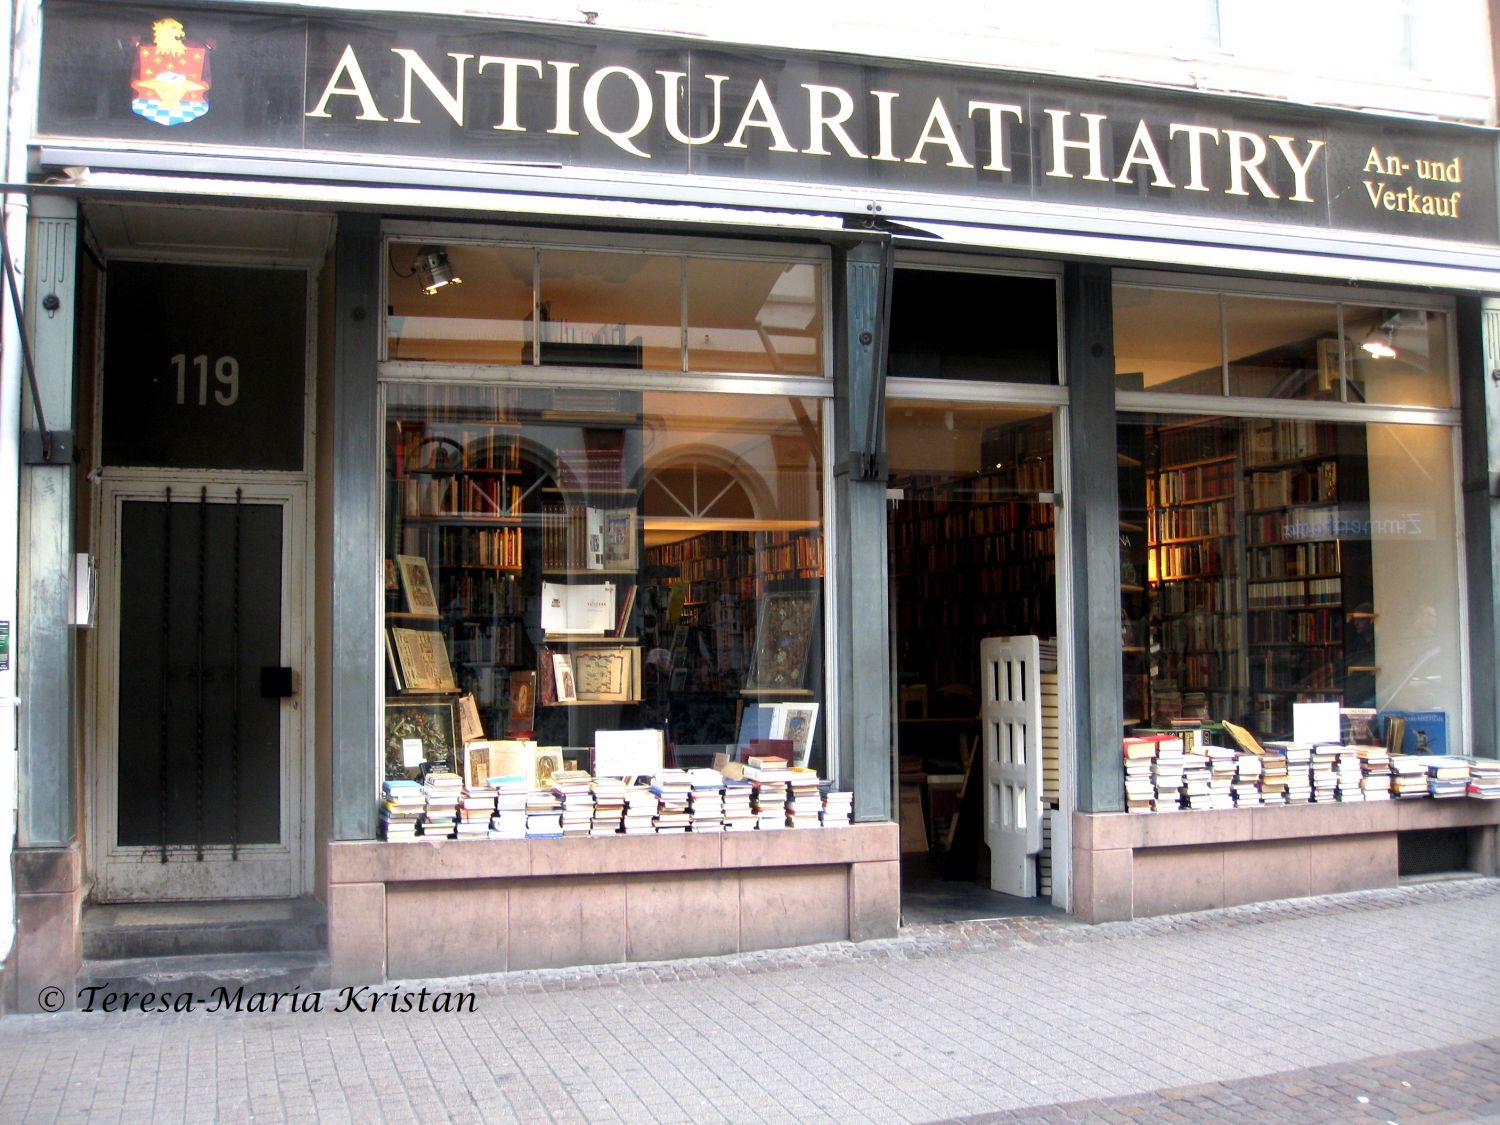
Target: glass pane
(971, 555)
(1167, 341)
(1266, 563)
(1282, 349)
(1398, 356)
(755, 317)
(597, 560)
(948, 325)
(601, 309)
(483, 319)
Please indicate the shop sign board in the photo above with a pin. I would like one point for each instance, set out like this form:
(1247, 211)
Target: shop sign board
(487, 92)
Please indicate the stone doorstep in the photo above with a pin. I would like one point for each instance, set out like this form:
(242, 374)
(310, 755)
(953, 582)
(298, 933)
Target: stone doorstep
(202, 975)
(145, 930)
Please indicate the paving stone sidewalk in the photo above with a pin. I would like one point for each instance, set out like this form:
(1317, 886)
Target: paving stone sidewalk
(1282, 1011)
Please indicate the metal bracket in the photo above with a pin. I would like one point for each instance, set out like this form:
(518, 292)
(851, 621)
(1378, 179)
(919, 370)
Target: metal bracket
(48, 447)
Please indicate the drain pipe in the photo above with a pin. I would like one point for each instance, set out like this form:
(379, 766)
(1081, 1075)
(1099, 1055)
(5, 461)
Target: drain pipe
(17, 79)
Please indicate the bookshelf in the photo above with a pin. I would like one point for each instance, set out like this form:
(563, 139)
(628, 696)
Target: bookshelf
(1193, 563)
(1308, 569)
(973, 556)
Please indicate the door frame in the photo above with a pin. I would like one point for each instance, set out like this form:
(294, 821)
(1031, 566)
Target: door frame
(269, 870)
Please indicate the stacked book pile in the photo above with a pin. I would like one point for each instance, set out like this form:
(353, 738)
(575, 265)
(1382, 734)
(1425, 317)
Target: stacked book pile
(1484, 779)
(1140, 759)
(1375, 771)
(442, 790)
(804, 804)
(1447, 776)
(1325, 758)
(509, 821)
(1197, 773)
(1167, 774)
(1273, 778)
(1348, 775)
(1248, 771)
(1044, 857)
(573, 789)
(401, 809)
(543, 815)
(1298, 757)
(738, 814)
(640, 811)
(475, 809)
(768, 776)
(838, 809)
(1408, 775)
(706, 799)
(609, 806)
(673, 793)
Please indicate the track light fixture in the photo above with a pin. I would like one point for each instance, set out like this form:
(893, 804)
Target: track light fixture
(434, 270)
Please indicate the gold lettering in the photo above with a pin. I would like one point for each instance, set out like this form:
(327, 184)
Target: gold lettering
(348, 67)
(938, 130)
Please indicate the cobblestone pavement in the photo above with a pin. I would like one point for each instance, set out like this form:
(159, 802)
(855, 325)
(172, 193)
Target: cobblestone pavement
(1370, 1007)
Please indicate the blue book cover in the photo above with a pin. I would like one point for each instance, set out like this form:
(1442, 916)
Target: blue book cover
(1426, 731)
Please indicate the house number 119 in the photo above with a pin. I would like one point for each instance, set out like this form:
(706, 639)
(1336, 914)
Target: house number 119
(226, 372)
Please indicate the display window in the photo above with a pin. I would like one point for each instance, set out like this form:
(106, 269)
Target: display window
(1294, 579)
(601, 595)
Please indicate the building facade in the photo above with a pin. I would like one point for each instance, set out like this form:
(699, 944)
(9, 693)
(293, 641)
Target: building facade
(852, 365)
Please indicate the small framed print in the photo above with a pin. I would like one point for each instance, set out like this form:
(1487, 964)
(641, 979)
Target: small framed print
(783, 641)
(471, 728)
(605, 674)
(796, 722)
(522, 714)
(416, 580)
(419, 737)
(619, 539)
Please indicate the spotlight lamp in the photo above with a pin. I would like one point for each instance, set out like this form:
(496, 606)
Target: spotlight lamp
(1380, 341)
(434, 270)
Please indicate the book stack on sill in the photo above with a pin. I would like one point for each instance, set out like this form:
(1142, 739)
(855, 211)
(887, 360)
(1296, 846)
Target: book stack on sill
(673, 792)
(476, 808)
(804, 805)
(640, 811)
(706, 799)
(1248, 774)
(1140, 762)
(739, 816)
(443, 790)
(838, 810)
(1484, 779)
(1167, 774)
(1348, 774)
(1273, 778)
(1298, 756)
(768, 777)
(1408, 776)
(609, 806)
(543, 815)
(401, 808)
(1324, 772)
(572, 789)
(1375, 772)
(509, 821)
(1197, 783)
(1447, 776)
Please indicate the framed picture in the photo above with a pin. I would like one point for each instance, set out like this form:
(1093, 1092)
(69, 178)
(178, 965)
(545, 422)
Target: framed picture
(562, 676)
(620, 539)
(416, 580)
(795, 723)
(605, 674)
(549, 761)
(522, 714)
(783, 639)
(424, 660)
(419, 737)
(470, 728)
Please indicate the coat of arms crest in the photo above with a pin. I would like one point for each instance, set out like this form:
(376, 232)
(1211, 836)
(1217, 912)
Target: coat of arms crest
(171, 76)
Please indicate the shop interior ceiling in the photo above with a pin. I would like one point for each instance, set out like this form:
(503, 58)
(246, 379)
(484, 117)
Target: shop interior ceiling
(247, 235)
